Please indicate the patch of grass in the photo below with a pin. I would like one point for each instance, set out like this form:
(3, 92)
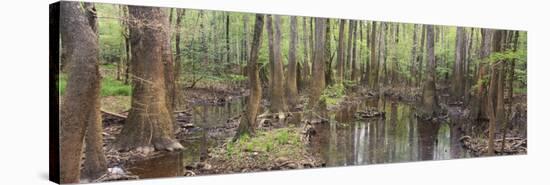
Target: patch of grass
(283, 142)
(109, 86)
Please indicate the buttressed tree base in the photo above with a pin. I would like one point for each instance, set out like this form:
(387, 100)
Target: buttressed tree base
(146, 92)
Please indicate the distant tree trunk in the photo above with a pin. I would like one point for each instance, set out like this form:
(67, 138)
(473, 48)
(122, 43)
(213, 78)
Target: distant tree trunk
(278, 104)
(179, 16)
(270, 38)
(244, 49)
(458, 74)
(468, 61)
(292, 87)
(126, 40)
(481, 105)
(306, 70)
(349, 51)
(248, 121)
(421, 56)
(95, 164)
(227, 49)
(395, 66)
(317, 81)
(429, 100)
(81, 103)
(149, 125)
(353, 67)
(381, 55)
(496, 92)
(511, 77)
(328, 58)
(341, 52)
(373, 69)
(413, 55)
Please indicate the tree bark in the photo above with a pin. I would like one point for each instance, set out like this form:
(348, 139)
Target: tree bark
(318, 80)
(421, 55)
(149, 125)
(353, 67)
(413, 55)
(80, 108)
(429, 100)
(278, 103)
(341, 52)
(373, 69)
(292, 87)
(248, 121)
(458, 74)
(95, 164)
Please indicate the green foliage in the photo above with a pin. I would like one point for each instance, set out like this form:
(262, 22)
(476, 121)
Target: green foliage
(109, 86)
(333, 94)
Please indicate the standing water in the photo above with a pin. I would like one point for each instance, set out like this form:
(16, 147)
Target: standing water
(400, 137)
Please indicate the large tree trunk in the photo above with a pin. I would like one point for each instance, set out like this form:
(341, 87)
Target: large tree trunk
(496, 92)
(318, 80)
(458, 74)
(80, 105)
(278, 103)
(149, 125)
(95, 164)
(248, 121)
(480, 101)
(292, 87)
(429, 100)
(341, 52)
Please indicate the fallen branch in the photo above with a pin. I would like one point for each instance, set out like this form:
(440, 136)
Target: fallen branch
(114, 114)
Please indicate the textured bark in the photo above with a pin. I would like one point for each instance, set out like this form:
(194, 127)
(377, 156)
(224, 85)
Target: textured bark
(80, 108)
(341, 52)
(458, 74)
(292, 87)
(248, 122)
(149, 125)
(278, 103)
(496, 92)
(480, 101)
(318, 79)
(429, 100)
(95, 164)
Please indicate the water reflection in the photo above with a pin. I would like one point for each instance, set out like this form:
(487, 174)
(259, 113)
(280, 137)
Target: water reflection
(401, 137)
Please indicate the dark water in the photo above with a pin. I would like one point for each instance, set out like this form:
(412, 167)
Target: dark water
(400, 137)
(343, 141)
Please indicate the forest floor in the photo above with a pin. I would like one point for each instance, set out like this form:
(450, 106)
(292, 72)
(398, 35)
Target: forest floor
(275, 147)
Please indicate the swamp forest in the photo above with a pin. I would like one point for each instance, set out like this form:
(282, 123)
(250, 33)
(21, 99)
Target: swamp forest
(148, 92)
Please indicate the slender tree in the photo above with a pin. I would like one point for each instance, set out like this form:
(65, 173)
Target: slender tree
(278, 104)
(341, 52)
(248, 122)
